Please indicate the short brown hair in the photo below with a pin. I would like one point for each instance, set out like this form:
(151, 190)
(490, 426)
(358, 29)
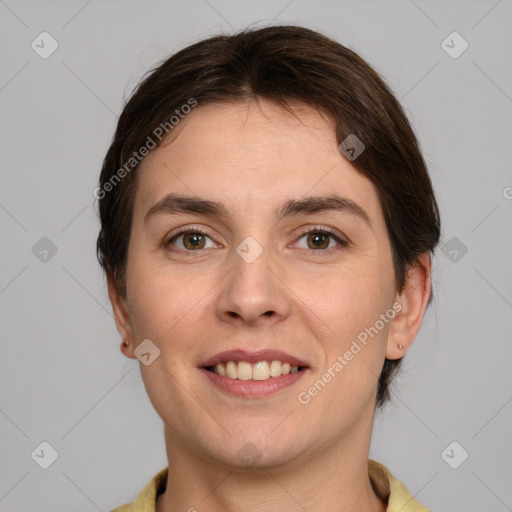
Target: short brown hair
(285, 64)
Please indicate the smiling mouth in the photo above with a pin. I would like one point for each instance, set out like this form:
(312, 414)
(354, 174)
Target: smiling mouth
(262, 370)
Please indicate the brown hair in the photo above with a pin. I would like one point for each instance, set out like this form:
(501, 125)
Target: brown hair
(285, 64)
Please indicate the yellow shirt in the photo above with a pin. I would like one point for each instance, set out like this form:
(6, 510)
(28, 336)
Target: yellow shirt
(385, 486)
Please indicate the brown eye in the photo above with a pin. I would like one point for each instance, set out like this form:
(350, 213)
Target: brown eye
(190, 240)
(318, 240)
(193, 241)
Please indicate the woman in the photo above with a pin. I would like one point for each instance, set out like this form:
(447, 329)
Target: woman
(267, 227)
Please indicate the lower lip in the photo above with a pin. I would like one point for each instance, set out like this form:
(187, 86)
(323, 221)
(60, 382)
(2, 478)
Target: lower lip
(253, 388)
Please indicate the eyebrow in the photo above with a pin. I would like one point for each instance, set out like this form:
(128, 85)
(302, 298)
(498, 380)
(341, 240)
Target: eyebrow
(177, 203)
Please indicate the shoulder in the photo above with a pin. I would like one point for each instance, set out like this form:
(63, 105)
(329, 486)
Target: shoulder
(392, 490)
(146, 499)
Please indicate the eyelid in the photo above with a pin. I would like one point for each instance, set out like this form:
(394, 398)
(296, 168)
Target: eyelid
(342, 240)
(183, 230)
(318, 227)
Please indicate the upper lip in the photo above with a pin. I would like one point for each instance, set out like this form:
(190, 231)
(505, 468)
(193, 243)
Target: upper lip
(253, 357)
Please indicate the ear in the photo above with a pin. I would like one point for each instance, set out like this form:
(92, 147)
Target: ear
(122, 319)
(413, 300)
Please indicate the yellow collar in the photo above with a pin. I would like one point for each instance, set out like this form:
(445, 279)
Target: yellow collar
(387, 488)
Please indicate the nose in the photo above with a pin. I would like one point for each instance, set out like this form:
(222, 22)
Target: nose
(253, 291)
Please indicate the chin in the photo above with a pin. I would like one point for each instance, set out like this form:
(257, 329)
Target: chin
(256, 451)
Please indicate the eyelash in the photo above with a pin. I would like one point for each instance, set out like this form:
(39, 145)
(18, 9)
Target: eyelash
(309, 230)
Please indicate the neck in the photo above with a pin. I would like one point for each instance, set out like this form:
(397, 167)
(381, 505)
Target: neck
(334, 479)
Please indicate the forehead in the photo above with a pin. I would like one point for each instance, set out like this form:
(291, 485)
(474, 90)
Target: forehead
(254, 154)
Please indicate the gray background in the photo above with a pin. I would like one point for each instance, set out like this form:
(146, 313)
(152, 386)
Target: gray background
(62, 376)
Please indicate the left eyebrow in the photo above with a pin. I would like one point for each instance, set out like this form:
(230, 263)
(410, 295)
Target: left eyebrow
(314, 204)
(177, 203)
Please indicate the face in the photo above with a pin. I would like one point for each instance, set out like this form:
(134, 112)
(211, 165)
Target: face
(256, 277)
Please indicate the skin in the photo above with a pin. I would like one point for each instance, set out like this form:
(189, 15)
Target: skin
(254, 156)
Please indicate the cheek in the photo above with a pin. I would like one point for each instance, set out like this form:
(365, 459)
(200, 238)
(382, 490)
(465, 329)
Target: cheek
(154, 305)
(343, 302)
(344, 315)
(166, 307)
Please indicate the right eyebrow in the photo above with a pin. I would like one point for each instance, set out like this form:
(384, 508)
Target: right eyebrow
(176, 203)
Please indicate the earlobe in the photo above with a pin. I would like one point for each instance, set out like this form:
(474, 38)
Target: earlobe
(127, 349)
(122, 319)
(413, 300)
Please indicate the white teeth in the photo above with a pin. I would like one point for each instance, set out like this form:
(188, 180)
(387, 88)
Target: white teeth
(244, 371)
(275, 368)
(262, 370)
(231, 371)
(220, 370)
